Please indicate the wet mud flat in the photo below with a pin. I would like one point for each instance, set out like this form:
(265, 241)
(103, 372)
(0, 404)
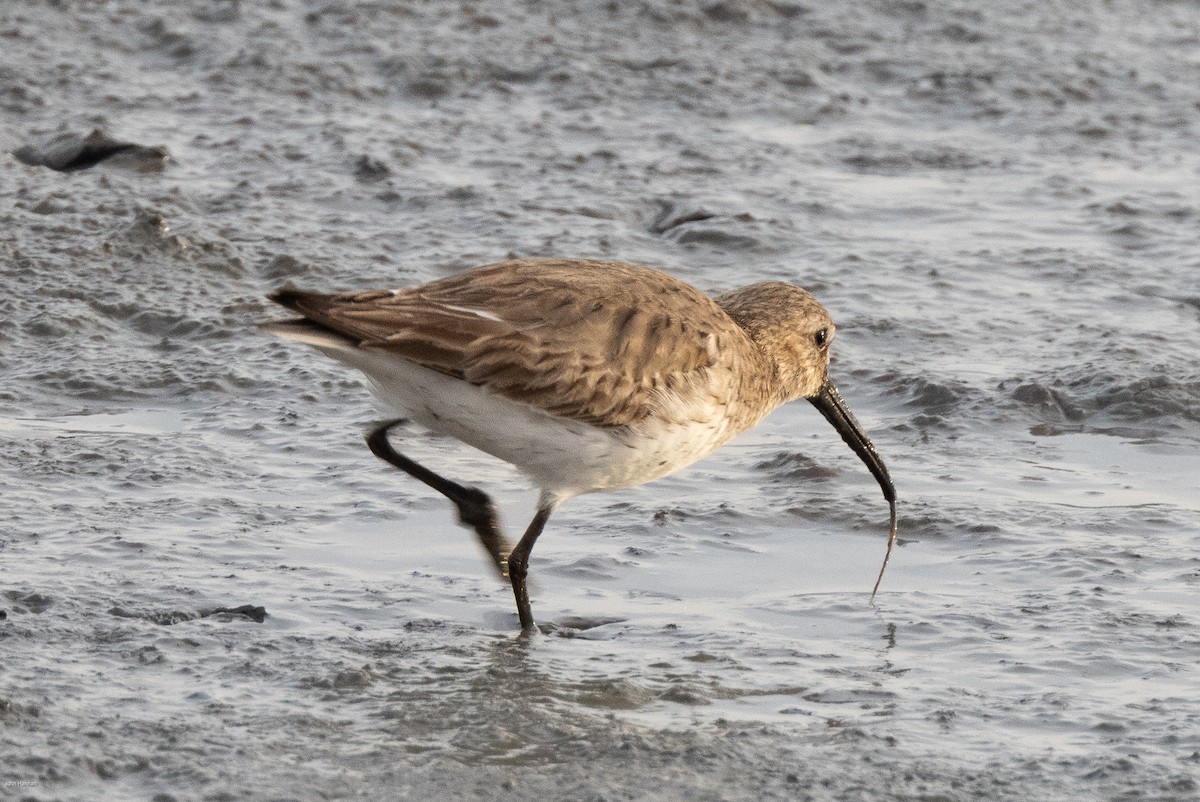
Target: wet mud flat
(213, 591)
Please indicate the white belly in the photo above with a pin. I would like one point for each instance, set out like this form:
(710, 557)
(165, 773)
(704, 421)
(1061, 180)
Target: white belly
(560, 456)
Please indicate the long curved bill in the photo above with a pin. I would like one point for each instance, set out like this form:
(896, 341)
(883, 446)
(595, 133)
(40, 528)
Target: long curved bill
(830, 402)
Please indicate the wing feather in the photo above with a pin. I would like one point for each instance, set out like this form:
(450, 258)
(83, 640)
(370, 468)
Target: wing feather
(590, 341)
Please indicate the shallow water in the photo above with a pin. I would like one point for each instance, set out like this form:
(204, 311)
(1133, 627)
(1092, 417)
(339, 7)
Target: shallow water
(999, 206)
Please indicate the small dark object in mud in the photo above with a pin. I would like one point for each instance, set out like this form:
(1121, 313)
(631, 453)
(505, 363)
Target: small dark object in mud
(3, 614)
(369, 169)
(672, 216)
(255, 614)
(68, 152)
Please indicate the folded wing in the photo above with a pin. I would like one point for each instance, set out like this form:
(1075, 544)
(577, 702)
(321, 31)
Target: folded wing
(566, 343)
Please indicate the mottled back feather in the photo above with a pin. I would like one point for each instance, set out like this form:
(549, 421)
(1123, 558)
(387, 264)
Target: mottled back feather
(598, 342)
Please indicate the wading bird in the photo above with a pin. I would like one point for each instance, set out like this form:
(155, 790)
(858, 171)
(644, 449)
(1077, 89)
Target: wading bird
(585, 375)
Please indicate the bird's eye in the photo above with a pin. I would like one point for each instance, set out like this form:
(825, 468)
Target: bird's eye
(821, 337)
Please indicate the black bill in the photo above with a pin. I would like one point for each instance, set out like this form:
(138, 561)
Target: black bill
(830, 402)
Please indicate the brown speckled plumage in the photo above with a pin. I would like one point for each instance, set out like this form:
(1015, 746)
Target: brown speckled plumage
(598, 342)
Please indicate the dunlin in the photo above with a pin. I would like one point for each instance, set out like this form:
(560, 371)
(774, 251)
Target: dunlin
(584, 375)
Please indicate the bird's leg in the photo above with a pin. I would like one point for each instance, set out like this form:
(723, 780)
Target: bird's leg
(475, 508)
(518, 560)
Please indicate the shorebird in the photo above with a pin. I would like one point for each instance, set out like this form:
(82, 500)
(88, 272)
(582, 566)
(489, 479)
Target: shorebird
(585, 375)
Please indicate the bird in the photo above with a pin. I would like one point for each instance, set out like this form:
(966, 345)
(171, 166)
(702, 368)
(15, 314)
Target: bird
(585, 375)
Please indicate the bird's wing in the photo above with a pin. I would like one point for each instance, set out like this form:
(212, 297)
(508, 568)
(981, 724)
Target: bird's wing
(601, 343)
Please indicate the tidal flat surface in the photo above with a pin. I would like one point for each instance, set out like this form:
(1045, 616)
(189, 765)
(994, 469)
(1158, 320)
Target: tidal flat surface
(1000, 205)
